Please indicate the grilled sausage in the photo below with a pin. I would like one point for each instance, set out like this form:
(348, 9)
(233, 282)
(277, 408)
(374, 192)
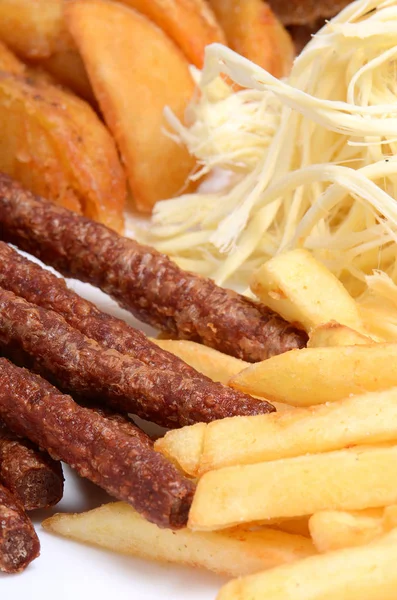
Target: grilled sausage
(33, 476)
(124, 465)
(19, 544)
(142, 280)
(42, 340)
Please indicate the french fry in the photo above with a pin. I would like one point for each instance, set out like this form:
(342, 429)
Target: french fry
(132, 88)
(253, 30)
(118, 527)
(183, 447)
(335, 334)
(304, 291)
(33, 29)
(191, 24)
(215, 365)
(390, 517)
(299, 526)
(55, 145)
(365, 573)
(317, 375)
(371, 418)
(333, 530)
(362, 477)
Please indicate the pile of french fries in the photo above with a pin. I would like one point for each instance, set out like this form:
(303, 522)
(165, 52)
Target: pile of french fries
(298, 504)
(119, 64)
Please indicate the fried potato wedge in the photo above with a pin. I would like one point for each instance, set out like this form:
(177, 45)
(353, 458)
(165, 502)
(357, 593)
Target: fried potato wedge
(118, 527)
(253, 30)
(34, 29)
(335, 334)
(191, 24)
(333, 530)
(361, 477)
(56, 146)
(133, 88)
(215, 365)
(366, 573)
(304, 291)
(316, 375)
(9, 62)
(371, 418)
(67, 67)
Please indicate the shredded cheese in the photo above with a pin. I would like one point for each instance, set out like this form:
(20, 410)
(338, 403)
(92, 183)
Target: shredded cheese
(313, 160)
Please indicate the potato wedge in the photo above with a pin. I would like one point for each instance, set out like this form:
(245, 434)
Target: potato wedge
(361, 477)
(191, 24)
(67, 67)
(132, 88)
(118, 527)
(335, 334)
(304, 291)
(364, 573)
(55, 145)
(34, 29)
(183, 447)
(9, 62)
(316, 375)
(371, 419)
(215, 365)
(333, 530)
(253, 30)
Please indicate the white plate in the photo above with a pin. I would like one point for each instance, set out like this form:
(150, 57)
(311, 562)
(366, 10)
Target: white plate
(66, 570)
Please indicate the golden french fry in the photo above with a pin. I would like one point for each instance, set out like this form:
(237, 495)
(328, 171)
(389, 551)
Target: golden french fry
(365, 573)
(304, 291)
(118, 527)
(132, 88)
(335, 334)
(55, 145)
(253, 30)
(362, 477)
(316, 375)
(333, 530)
(183, 447)
(190, 23)
(298, 526)
(372, 419)
(215, 365)
(389, 517)
(33, 29)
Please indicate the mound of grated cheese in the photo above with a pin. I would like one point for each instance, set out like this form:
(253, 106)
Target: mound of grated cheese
(310, 161)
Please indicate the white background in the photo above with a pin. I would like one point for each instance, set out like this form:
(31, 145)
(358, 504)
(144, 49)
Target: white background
(66, 570)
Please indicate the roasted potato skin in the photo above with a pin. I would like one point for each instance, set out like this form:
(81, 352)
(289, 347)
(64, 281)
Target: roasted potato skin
(133, 88)
(56, 146)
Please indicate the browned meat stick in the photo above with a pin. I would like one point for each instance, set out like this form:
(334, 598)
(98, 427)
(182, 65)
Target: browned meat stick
(142, 280)
(33, 476)
(124, 465)
(19, 544)
(38, 286)
(45, 342)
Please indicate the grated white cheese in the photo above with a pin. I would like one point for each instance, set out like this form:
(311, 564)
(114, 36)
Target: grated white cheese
(313, 159)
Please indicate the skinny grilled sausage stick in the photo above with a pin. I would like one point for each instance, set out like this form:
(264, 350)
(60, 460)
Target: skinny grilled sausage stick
(38, 286)
(19, 544)
(124, 465)
(33, 476)
(80, 365)
(142, 280)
